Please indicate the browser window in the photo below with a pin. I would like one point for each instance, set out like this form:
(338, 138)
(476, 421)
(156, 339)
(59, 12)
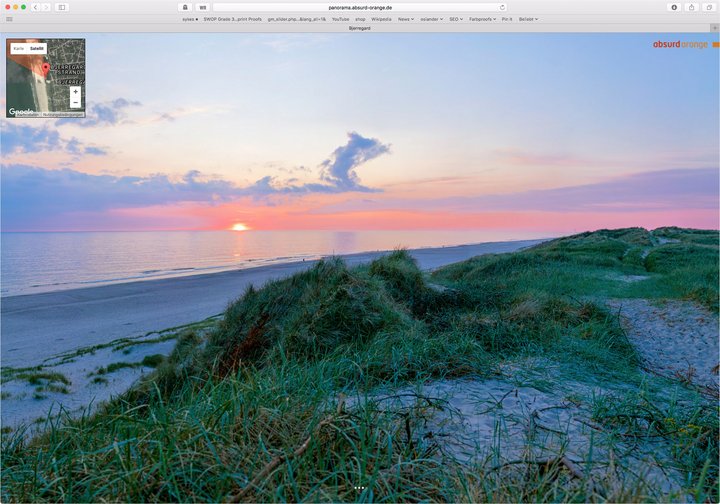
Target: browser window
(342, 251)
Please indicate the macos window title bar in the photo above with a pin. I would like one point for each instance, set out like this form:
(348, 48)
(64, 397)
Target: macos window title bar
(352, 16)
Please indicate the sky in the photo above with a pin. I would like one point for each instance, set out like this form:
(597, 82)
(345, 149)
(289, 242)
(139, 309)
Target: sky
(528, 132)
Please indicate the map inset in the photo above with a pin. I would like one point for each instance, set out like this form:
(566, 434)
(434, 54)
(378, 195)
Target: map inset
(45, 78)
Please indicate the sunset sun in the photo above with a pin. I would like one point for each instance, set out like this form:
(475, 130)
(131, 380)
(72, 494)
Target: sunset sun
(239, 227)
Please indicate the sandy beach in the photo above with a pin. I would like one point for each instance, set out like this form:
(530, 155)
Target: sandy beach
(38, 326)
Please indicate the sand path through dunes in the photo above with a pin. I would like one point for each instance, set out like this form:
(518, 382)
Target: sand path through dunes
(677, 339)
(496, 423)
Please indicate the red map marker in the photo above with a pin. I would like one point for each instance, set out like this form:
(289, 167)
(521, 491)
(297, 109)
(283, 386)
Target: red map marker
(45, 69)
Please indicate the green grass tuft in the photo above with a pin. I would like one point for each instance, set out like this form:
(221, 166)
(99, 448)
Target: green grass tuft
(42, 378)
(153, 361)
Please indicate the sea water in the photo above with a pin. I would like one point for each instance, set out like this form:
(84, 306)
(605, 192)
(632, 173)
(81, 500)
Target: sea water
(43, 262)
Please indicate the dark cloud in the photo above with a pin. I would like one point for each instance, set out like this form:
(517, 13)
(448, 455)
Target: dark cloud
(648, 191)
(95, 151)
(119, 103)
(73, 146)
(108, 113)
(166, 116)
(30, 194)
(25, 139)
(290, 171)
(339, 169)
(665, 190)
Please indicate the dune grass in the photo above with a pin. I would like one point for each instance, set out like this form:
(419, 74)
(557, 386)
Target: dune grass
(151, 361)
(255, 410)
(42, 378)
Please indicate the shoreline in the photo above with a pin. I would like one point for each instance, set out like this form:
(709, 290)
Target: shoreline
(134, 268)
(86, 316)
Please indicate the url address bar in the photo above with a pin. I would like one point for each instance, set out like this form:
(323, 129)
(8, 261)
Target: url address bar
(359, 7)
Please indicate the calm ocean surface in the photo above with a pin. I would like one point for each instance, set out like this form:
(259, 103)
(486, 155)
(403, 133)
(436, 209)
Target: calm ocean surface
(43, 262)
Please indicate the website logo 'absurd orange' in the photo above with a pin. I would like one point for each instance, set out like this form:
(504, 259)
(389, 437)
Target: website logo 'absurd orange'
(681, 44)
